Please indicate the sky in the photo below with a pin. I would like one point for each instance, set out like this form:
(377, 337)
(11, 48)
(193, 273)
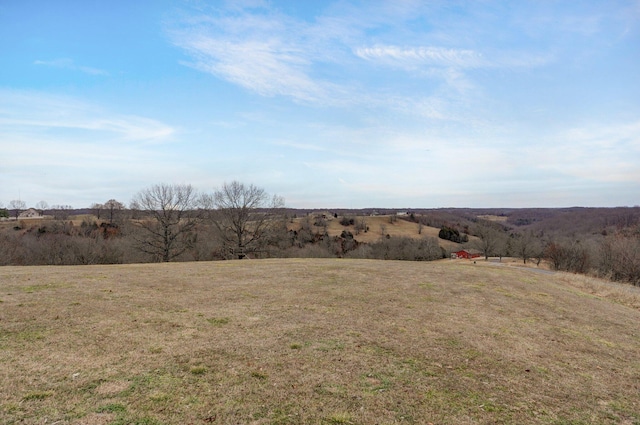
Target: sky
(329, 104)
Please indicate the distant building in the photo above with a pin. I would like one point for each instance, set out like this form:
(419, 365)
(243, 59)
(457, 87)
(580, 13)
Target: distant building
(466, 253)
(30, 213)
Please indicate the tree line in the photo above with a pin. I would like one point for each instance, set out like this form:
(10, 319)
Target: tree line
(613, 254)
(175, 222)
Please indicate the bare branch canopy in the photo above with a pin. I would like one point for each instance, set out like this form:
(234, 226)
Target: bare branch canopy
(244, 214)
(170, 217)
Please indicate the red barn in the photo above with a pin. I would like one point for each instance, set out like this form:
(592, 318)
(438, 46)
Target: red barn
(468, 253)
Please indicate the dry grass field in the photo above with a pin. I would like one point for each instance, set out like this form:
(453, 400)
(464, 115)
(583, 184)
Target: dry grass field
(316, 342)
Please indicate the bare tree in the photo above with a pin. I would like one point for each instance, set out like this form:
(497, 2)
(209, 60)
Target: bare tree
(97, 209)
(306, 233)
(243, 216)
(361, 225)
(42, 206)
(169, 219)
(526, 245)
(61, 212)
(113, 209)
(619, 258)
(17, 206)
(491, 241)
(383, 230)
(569, 255)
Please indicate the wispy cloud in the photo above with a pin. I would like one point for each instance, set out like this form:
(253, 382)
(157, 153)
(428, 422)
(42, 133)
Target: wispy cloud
(418, 88)
(300, 146)
(416, 58)
(272, 54)
(69, 64)
(55, 143)
(22, 111)
(419, 56)
(327, 61)
(256, 48)
(265, 67)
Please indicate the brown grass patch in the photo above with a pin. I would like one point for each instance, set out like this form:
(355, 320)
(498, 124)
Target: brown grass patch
(314, 342)
(111, 388)
(496, 218)
(624, 294)
(97, 419)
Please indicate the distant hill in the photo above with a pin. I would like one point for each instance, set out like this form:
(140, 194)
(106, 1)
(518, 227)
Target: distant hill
(563, 220)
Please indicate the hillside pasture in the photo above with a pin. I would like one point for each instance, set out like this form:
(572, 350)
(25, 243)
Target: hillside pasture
(397, 228)
(321, 341)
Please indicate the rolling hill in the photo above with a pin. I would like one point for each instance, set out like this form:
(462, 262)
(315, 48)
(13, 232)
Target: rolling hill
(378, 226)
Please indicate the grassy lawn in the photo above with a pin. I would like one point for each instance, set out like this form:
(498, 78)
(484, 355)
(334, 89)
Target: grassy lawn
(315, 342)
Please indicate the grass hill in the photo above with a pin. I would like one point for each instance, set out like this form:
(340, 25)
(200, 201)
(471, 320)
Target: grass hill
(316, 342)
(379, 226)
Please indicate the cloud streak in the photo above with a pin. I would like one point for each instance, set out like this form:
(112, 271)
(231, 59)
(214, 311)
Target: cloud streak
(267, 68)
(417, 56)
(276, 55)
(69, 64)
(22, 111)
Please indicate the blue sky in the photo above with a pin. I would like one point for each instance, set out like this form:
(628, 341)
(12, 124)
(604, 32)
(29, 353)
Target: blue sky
(329, 104)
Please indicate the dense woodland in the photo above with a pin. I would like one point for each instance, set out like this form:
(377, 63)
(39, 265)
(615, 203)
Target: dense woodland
(175, 223)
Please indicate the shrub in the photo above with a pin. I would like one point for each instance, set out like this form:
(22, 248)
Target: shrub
(568, 256)
(347, 221)
(198, 370)
(619, 259)
(452, 234)
(425, 249)
(346, 234)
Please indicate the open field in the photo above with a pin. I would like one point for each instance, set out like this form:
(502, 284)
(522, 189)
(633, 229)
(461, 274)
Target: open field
(316, 342)
(40, 221)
